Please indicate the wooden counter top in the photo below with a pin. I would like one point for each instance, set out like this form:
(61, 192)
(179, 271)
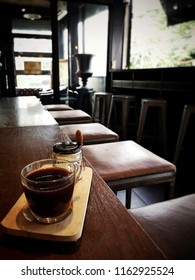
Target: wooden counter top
(23, 111)
(109, 232)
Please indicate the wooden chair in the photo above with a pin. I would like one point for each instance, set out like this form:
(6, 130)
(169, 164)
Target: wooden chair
(93, 133)
(57, 107)
(125, 165)
(187, 112)
(126, 101)
(70, 116)
(171, 225)
(161, 105)
(101, 106)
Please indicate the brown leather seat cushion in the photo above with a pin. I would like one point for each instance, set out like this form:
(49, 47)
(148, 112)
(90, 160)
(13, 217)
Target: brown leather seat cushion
(92, 132)
(125, 159)
(57, 107)
(171, 225)
(70, 116)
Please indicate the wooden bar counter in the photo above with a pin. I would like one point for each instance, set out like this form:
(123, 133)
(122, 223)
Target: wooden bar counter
(23, 111)
(109, 231)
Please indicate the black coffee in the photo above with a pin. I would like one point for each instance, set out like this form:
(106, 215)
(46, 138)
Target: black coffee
(45, 198)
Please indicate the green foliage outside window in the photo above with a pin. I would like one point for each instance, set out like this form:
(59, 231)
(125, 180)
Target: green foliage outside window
(154, 44)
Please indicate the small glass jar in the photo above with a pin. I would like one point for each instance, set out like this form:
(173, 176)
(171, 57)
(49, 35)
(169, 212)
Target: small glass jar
(70, 151)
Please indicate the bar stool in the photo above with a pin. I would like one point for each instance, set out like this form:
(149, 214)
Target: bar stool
(57, 107)
(147, 104)
(171, 225)
(101, 106)
(187, 112)
(70, 116)
(93, 133)
(126, 100)
(125, 165)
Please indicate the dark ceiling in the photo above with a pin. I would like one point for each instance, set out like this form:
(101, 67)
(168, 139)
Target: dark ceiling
(16, 8)
(34, 3)
(177, 11)
(42, 7)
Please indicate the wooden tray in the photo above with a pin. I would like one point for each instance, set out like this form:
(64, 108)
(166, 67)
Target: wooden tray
(69, 229)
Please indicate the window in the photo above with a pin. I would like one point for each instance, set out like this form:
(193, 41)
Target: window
(34, 47)
(92, 36)
(155, 44)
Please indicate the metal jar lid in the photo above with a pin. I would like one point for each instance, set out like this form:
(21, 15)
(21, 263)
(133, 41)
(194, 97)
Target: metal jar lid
(66, 148)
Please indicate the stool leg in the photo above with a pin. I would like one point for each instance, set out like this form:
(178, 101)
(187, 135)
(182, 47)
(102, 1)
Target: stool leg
(103, 111)
(182, 131)
(141, 122)
(164, 127)
(94, 109)
(108, 101)
(110, 113)
(128, 199)
(100, 110)
(170, 190)
(124, 108)
(125, 118)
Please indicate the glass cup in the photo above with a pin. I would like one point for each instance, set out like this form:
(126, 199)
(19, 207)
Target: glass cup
(48, 186)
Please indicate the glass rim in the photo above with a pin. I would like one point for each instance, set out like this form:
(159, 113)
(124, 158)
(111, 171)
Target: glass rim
(46, 160)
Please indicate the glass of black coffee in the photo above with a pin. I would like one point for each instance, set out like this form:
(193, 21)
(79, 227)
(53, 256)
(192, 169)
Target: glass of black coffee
(48, 187)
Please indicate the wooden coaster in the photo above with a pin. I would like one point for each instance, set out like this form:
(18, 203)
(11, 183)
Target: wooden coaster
(69, 229)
